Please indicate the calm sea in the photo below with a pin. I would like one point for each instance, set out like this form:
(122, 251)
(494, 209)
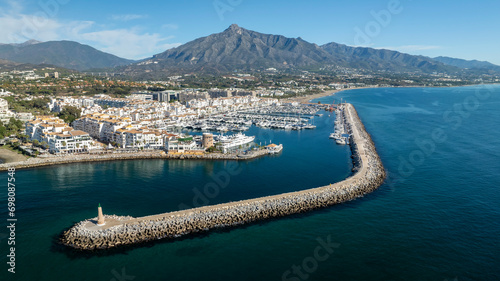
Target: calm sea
(437, 217)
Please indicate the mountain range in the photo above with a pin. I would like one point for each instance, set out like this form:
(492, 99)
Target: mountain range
(67, 54)
(469, 64)
(236, 49)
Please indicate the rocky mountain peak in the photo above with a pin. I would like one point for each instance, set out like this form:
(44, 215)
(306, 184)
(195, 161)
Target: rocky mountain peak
(234, 28)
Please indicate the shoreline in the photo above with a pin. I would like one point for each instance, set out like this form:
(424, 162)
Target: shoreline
(368, 175)
(309, 98)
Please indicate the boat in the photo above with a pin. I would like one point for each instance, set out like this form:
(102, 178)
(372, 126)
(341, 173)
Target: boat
(222, 128)
(333, 136)
(233, 141)
(274, 149)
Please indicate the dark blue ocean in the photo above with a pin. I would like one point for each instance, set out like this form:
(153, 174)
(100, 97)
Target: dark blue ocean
(437, 217)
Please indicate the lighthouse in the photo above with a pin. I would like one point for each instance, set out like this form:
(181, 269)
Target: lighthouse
(100, 216)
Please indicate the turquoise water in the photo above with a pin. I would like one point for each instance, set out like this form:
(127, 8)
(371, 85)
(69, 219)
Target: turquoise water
(436, 218)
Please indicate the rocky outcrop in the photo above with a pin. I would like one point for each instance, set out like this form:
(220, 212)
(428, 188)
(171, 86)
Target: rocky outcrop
(368, 176)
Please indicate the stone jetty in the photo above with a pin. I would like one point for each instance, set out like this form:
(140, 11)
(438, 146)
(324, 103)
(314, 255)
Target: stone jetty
(118, 156)
(368, 175)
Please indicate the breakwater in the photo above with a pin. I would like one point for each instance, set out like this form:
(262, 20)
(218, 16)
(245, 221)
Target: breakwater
(368, 175)
(155, 154)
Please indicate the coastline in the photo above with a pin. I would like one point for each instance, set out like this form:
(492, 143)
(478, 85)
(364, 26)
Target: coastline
(368, 175)
(8, 156)
(309, 98)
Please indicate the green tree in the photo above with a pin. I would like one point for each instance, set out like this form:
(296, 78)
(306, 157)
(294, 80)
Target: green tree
(69, 114)
(3, 131)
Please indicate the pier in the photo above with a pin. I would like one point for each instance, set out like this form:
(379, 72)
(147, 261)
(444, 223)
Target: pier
(368, 175)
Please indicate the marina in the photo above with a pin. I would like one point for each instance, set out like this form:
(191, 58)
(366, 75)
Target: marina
(369, 174)
(445, 203)
(293, 116)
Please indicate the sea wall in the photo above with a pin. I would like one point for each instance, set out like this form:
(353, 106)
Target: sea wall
(368, 175)
(155, 154)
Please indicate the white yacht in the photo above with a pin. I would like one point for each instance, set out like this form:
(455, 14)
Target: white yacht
(340, 141)
(233, 141)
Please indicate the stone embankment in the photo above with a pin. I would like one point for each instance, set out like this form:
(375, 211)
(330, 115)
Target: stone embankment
(368, 175)
(154, 154)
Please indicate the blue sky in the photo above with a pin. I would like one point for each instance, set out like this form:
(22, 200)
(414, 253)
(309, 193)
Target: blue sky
(138, 29)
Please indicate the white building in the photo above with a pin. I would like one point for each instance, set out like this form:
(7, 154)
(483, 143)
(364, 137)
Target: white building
(174, 144)
(70, 142)
(139, 138)
(58, 136)
(101, 126)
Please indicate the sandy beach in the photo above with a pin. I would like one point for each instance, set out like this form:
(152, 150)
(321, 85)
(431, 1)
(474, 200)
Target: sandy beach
(8, 156)
(308, 98)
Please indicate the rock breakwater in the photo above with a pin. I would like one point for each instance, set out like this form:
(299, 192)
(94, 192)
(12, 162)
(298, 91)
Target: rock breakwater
(368, 175)
(155, 154)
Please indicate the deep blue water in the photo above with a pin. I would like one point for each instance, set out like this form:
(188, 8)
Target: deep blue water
(437, 217)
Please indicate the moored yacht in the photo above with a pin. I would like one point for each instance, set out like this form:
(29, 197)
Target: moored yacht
(233, 141)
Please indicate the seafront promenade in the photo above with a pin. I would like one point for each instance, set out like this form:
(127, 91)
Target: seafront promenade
(368, 175)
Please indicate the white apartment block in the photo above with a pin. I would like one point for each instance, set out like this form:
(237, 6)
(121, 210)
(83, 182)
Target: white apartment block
(101, 126)
(58, 136)
(139, 138)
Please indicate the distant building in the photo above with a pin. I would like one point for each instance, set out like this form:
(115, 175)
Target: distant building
(56, 75)
(227, 93)
(6, 114)
(185, 97)
(163, 96)
(142, 96)
(166, 96)
(24, 116)
(218, 93)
